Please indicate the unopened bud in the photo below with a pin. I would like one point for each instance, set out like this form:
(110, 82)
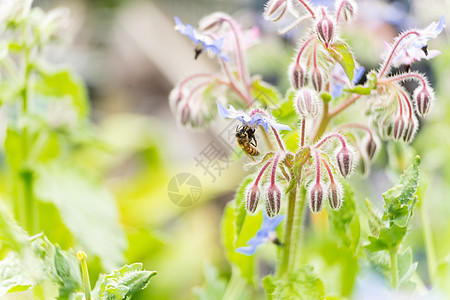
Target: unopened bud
(274, 10)
(273, 201)
(335, 196)
(344, 159)
(316, 79)
(399, 127)
(325, 28)
(307, 103)
(386, 127)
(175, 97)
(410, 130)
(370, 146)
(316, 197)
(185, 114)
(424, 99)
(346, 8)
(253, 196)
(297, 75)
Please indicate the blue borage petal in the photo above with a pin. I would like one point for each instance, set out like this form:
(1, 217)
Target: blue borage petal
(188, 30)
(253, 121)
(267, 227)
(338, 86)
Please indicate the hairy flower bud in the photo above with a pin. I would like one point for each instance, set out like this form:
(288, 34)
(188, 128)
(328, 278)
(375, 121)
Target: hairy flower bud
(175, 97)
(273, 201)
(424, 99)
(316, 79)
(274, 10)
(297, 75)
(316, 197)
(346, 10)
(370, 146)
(410, 130)
(344, 159)
(325, 28)
(307, 103)
(399, 127)
(335, 196)
(253, 196)
(386, 127)
(185, 114)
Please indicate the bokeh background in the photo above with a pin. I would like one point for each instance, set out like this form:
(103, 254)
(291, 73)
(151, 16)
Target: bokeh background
(130, 57)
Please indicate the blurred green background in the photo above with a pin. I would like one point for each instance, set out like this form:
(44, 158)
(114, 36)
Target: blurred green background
(130, 57)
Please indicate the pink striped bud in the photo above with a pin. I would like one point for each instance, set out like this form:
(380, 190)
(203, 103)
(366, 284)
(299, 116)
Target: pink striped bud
(316, 197)
(253, 196)
(399, 127)
(273, 201)
(175, 97)
(370, 146)
(325, 28)
(307, 103)
(410, 130)
(335, 196)
(346, 8)
(297, 75)
(316, 79)
(344, 159)
(185, 114)
(274, 10)
(424, 98)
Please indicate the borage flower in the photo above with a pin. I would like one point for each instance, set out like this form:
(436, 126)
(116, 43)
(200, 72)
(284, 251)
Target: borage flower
(205, 42)
(265, 234)
(256, 117)
(340, 79)
(412, 45)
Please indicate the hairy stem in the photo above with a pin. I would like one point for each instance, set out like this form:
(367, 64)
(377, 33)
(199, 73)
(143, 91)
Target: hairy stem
(235, 286)
(297, 229)
(394, 266)
(288, 242)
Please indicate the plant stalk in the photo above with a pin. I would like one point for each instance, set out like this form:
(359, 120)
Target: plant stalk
(394, 266)
(288, 242)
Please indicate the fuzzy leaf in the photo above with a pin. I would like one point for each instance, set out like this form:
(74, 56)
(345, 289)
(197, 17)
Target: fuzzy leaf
(122, 283)
(342, 54)
(265, 93)
(303, 284)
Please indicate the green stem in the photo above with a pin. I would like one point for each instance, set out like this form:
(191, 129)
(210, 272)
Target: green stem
(297, 229)
(394, 266)
(429, 246)
(323, 123)
(286, 252)
(85, 273)
(235, 286)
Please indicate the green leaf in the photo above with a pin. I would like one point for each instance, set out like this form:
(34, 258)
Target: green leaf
(302, 284)
(390, 237)
(122, 283)
(359, 89)
(67, 273)
(213, 288)
(63, 83)
(269, 286)
(231, 241)
(342, 54)
(406, 269)
(265, 93)
(88, 210)
(13, 275)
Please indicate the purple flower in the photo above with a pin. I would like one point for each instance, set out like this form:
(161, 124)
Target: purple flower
(414, 47)
(205, 41)
(253, 120)
(340, 79)
(265, 234)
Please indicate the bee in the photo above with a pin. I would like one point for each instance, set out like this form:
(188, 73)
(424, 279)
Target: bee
(246, 139)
